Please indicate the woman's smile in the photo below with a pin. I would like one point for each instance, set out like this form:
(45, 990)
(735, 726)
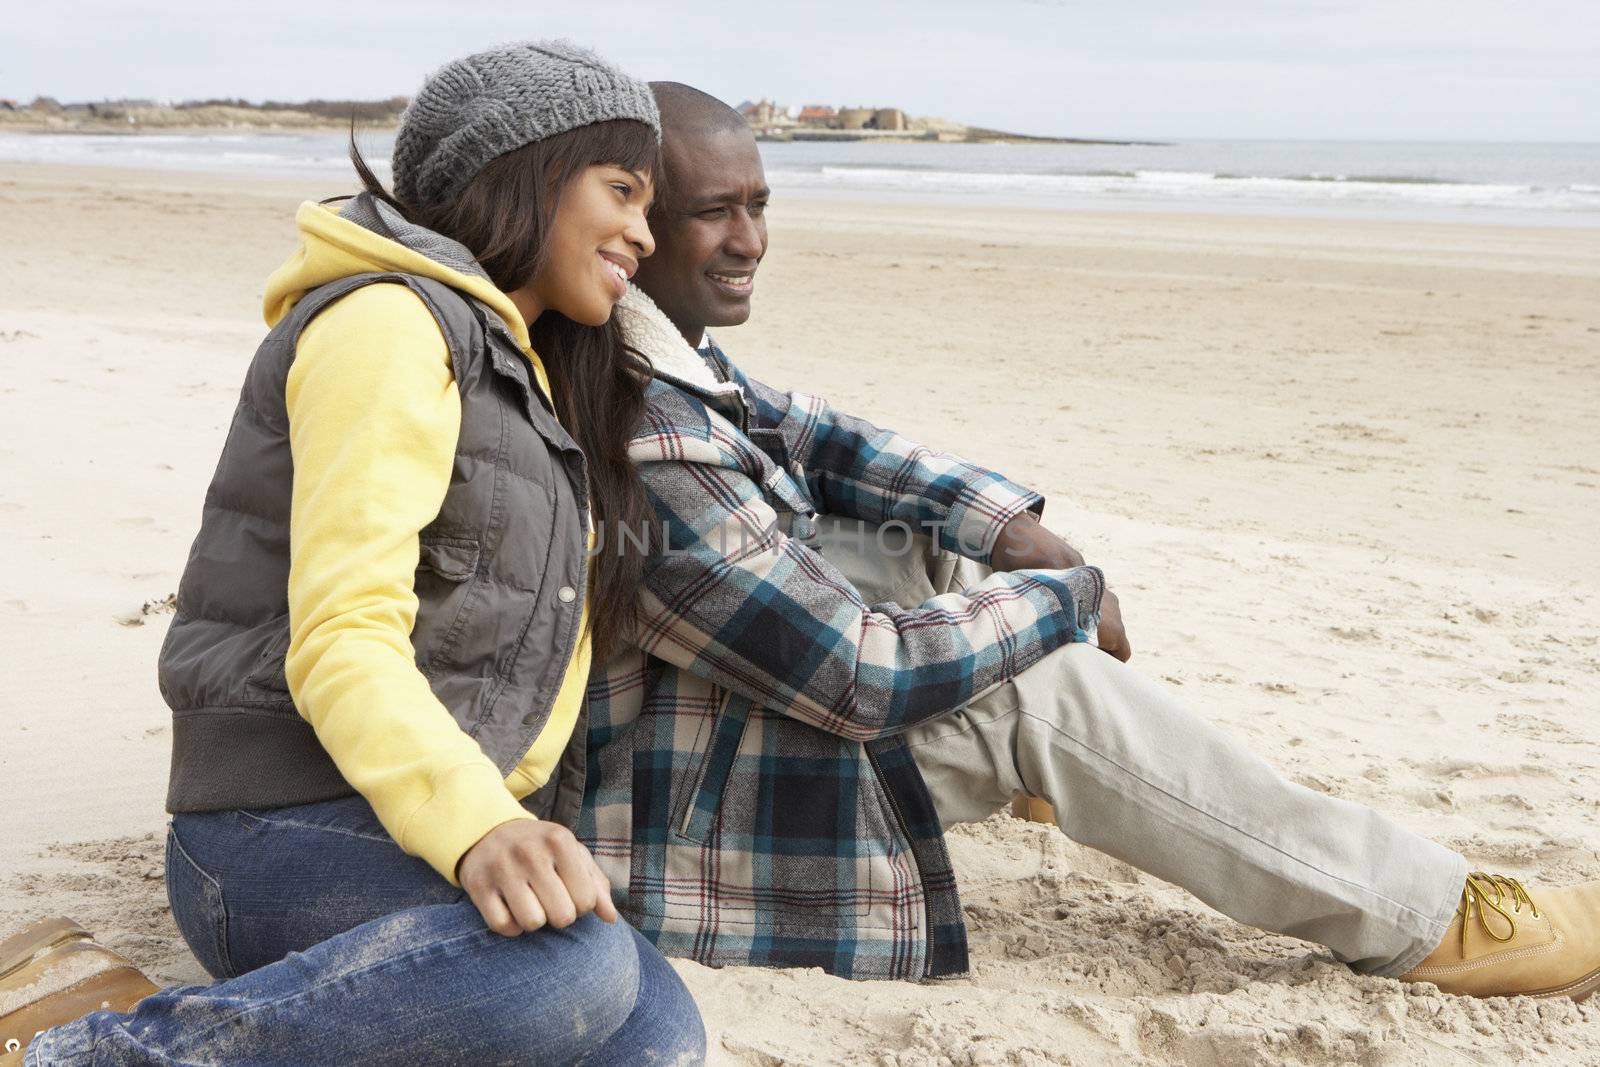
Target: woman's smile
(618, 269)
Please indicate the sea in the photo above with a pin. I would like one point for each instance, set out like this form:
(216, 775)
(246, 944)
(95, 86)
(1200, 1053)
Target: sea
(1549, 184)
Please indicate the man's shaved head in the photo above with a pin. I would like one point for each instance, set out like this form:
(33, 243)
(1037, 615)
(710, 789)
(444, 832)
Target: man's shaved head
(709, 222)
(688, 112)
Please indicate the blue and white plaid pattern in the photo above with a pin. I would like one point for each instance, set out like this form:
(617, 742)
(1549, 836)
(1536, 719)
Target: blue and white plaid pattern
(748, 793)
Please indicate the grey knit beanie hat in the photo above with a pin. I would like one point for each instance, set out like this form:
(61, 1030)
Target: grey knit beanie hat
(475, 109)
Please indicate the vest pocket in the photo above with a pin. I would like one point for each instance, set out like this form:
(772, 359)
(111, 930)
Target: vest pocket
(455, 559)
(269, 670)
(448, 595)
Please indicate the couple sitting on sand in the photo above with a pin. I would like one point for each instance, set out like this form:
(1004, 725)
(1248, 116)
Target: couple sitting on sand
(526, 639)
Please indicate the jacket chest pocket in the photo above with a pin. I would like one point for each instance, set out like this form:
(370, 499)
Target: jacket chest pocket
(796, 515)
(772, 444)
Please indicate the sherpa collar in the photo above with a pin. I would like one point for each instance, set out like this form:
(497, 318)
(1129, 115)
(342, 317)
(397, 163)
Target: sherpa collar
(648, 329)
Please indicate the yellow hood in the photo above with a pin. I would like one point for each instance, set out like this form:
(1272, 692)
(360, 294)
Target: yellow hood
(334, 247)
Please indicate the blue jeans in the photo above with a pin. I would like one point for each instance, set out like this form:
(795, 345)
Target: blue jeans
(335, 947)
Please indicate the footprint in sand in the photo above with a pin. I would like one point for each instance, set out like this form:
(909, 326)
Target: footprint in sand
(1530, 852)
(1535, 728)
(1477, 769)
(1433, 799)
(1352, 633)
(1510, 802)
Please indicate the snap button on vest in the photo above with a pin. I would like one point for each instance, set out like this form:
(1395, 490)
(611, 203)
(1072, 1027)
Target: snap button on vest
(566, 594)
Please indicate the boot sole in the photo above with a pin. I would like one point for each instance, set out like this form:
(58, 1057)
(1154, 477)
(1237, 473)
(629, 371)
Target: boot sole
(19, 950)
(1581, 990)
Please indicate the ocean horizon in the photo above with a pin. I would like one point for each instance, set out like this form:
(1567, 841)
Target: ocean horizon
(1551, 184)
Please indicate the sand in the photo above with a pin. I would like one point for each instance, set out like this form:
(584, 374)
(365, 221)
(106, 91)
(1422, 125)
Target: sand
(1344, 476)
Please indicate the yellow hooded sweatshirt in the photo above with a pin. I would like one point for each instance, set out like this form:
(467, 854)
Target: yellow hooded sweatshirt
(374, 415)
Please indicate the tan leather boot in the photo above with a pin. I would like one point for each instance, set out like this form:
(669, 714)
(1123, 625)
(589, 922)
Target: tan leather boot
(52, 973)
(20, 948)
(1506, 942)
(1032, 809)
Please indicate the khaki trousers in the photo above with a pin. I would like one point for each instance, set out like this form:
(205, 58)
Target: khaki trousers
(1133, 772)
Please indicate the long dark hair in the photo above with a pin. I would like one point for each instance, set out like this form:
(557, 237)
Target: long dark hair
(503, 217)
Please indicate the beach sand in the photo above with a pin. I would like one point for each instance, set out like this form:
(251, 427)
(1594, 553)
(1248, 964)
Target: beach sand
(1344, 475)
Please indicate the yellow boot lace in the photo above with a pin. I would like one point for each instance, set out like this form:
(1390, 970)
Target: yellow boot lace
(1479, 888)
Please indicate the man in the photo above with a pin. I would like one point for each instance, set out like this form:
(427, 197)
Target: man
(770, 771)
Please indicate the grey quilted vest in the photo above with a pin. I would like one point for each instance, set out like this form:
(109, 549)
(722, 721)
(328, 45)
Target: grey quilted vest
(500, 585)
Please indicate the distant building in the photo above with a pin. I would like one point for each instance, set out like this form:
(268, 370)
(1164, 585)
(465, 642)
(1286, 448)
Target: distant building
(890, 118)
(9, 105)
(873, 118)
(763, 114)
(854, 118)
(45, 103)
(759, 113)
(817, 115)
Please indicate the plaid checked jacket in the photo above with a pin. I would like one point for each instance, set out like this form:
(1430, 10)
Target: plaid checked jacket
(747, 791)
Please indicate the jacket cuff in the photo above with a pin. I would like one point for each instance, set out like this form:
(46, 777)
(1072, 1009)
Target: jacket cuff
(468, 801)
(975, 521)
(1079, 591)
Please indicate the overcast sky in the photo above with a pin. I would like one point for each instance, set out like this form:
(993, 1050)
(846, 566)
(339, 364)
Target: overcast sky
(1385, 69)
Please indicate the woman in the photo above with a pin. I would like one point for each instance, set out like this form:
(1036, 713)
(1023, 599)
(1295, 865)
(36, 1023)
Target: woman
(385, 626)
